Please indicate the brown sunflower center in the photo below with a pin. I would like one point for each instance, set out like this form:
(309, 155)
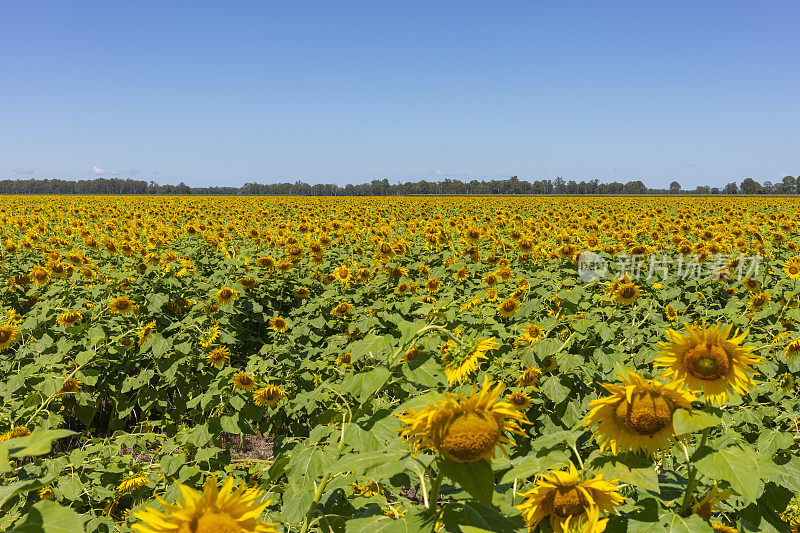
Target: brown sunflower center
(628, 292)
(468, 436)
(568, 501)
(646, 414)
(5, 335)
(212, 522)
(707, 361)
(225, 294)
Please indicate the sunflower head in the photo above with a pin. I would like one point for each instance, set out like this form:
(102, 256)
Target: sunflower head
(268, 395)
(637, 415)
(508, 307)
(464, 428)
(571, 502)
(459, 363)
(226, 295)
(218, 357)
(121, 305)
(215, 510)
(243, 381)
(709, 359)
(278, 324)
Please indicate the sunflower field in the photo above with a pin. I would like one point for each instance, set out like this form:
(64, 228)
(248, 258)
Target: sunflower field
(400, 364)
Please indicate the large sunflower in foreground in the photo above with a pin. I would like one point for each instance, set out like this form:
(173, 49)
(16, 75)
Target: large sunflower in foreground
(464, 428)
(638, 414)
(710, 360)
(215, 510)
(571, 502)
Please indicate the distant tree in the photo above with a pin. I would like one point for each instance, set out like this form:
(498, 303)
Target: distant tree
(674, 187)
(750, 186)
(788, 185)
(703, 189)
(767, 188)
(731, 188)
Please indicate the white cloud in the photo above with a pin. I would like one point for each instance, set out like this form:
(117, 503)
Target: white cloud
(23, 170)
(438, 172)
(97, 171)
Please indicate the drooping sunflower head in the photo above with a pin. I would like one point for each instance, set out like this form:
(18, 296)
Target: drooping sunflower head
(464, 428)
(121, 305)
(215, 510)
(793, 348)
(569, 500)
(226, 295)
(508, 307)
(8, 335)
(69, 387)
(269, 395)
(637, 415)
(69, 318)
(460, 362)
(759, 300)
(709, 359)
(344, 359)
(147, 331)
(519, 400)
(243, 381)
(529, 377)
(218, 357)
(626, 293)
(278, 324)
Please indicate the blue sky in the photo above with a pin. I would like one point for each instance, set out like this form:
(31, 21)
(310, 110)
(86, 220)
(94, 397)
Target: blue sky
(345, 92)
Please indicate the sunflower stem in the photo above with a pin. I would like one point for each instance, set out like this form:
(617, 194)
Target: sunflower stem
(577, 455)
(691, 480)
(433, 496)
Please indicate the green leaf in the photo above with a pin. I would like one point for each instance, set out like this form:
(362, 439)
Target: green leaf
(18, 487)
(737, 465)
(530, 466)
(49, 517)
(476, 478)
(671, 523)
(636, 470)
(381, 524)
(70, 487)
(37, 443)
(364, 384)
(686, 421)
(553, 389)
(5, 465)
(775, 440)
(383, 463)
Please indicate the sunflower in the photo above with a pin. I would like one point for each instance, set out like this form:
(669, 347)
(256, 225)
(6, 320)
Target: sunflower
(458, 364)
(626, 293)
(210, 335)
(121, 305)
(342, 274)
(670, 313)
(638, 414)
(147, 331)
(302, 292)
(705, 507)
(520, 400)
(249, 282)
(792, 348)
(344, 359)
(243, 381)
(508, 307)
(491, 294)
(722, 528)
(786, 381)
(792, 268)
(569, 500)
(46, 493)
(19, 431)
(529, 378)
(759, 300)
(464, 428)
(132, 483)
(214, 510)
(433, 285)
(70, 386)
(226, 295)
(751, 284)
(69, 318)
(218, 357)
(269, 395)
(8, 335)
(342, 310)
(707, 359)
(278, 324)
(411, 354)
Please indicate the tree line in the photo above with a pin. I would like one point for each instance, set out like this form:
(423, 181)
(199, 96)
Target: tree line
(510, 186)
